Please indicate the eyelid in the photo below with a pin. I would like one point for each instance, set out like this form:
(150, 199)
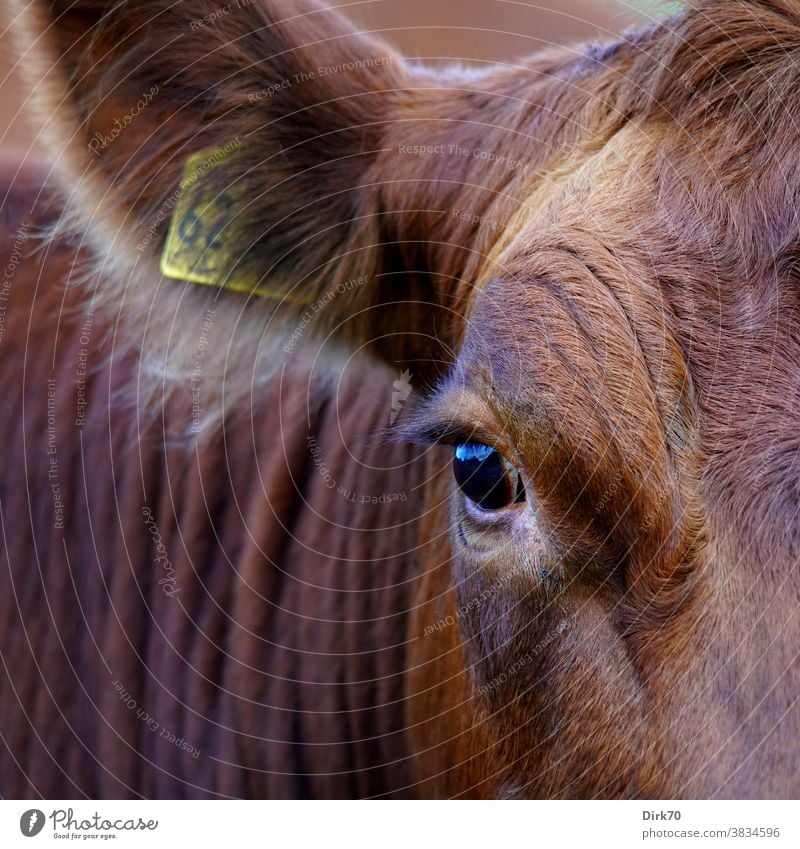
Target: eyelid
(435, 424)
(430, 430)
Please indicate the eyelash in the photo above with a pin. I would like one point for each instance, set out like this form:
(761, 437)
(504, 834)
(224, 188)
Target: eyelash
(431, 427)
(434, 432)
(452, 434)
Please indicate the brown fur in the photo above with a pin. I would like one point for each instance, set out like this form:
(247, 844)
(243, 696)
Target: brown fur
(616, 313)
(271, 640)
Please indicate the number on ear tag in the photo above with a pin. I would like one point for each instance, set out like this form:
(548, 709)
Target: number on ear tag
(197, 245)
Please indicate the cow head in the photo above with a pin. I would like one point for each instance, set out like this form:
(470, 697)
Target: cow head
(592, 257)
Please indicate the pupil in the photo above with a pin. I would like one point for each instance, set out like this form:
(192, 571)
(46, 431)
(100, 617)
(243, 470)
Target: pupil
(483, 476)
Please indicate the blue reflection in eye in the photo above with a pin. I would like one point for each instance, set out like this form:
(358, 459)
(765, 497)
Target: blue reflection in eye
(473, 451)
(486, 477)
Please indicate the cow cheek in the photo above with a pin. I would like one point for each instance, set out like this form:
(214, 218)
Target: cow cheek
(556, 684)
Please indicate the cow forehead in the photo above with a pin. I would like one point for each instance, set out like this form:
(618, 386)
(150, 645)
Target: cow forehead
(596, 186)
(573, 329)
(572, 258)
(562, 351)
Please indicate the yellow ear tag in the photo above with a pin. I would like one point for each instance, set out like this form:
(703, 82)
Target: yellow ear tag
(196, 245)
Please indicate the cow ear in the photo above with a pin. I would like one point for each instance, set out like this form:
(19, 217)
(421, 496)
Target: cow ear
(230, 144)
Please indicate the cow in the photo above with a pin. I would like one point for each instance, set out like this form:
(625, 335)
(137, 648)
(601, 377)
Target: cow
(380, 430)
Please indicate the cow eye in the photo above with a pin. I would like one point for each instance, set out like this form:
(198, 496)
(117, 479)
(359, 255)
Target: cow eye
(486, 477)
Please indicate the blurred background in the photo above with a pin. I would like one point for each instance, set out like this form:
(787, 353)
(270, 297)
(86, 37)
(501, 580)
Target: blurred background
(472, 31)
